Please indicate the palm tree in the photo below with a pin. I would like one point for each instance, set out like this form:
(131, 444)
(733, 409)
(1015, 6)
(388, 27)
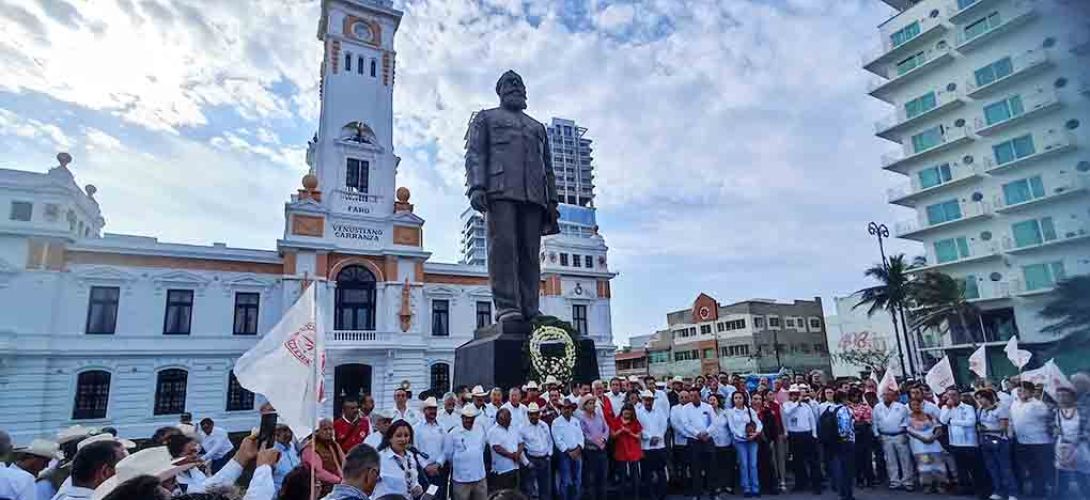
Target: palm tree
(937, 298)
(1069, 308)
(890, 294)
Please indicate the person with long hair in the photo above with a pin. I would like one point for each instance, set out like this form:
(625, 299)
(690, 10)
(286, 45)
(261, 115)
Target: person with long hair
(625, 432)
(992, 422)
(398, 466)
(746, 427)
(1072, 453)
(926, 448)
(324, 455)
(724, 461)
(770, 425)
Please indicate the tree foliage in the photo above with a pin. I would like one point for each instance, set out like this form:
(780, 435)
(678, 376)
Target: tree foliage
(1069, 311)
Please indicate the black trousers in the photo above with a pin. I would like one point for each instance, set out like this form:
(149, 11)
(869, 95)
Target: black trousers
(679, 470)
(804, 461)
(725, 464)
(514, 242)
(1036, 464)
(653, 472)
(700, 457)
(864, 455)
(972, 478)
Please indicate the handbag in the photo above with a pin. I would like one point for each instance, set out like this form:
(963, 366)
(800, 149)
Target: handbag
(988, 440)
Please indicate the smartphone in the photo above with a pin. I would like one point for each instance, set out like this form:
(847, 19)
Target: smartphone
(430, 492)
(266, 435)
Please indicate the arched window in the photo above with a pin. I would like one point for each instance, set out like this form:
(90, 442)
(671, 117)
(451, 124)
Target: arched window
(359, 65)
(373, 67)
(355, 299)
(348, 62)
(238, 398)
(440, 378)
(92, 395)
(170, 387)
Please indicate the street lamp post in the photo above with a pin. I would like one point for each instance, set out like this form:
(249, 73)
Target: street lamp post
(881, 232)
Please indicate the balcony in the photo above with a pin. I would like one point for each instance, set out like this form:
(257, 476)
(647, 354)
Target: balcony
(875, 59)
(934, 57)
(1019, 15)
(892, 126)
(1048, 144)
(1061, 187)
(914, 229)
(1065, 235)
(964, 10)
(361, 338)
(978, 251)
(909, 193)
(1022, 65)
(1038, 103)
(952, 137)
(995, 290)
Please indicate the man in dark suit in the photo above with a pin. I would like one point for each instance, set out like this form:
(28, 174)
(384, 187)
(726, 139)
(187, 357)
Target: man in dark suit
(509, 175)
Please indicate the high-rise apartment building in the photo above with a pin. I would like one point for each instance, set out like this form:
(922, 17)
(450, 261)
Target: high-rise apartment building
(992, 115)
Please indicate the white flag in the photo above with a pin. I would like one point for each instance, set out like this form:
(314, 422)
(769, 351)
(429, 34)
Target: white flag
(1017, 356)
(940, 376)
(888, 383)
(281, 365)
(978, 362)
(1049, 376)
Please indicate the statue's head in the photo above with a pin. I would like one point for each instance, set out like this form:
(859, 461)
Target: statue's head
(512, 91)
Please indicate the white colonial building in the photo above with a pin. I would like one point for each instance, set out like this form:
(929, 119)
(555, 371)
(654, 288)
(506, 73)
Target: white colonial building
(120, 330)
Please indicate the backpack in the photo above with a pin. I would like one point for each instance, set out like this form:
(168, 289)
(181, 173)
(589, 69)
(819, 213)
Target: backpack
(828, 427)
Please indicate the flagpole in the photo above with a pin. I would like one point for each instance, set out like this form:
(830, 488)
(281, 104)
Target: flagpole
(314, 386)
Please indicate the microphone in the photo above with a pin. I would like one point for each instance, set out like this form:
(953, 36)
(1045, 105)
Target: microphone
(415, 451)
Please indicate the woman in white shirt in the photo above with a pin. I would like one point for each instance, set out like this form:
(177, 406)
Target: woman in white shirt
(1072, 454)
(925, 447)
(397, 464)
(745, 428)
(722, 438)
(992, 422)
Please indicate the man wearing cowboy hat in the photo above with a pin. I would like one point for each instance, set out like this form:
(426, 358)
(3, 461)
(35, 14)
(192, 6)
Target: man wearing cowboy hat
(533, 394)
(568, 438)
(381, 420)
(801, 425)
(464, 446)
(17, 479)
(539, 449)
(428, 437)
(481, 418)
(653, 418)
(676, 385)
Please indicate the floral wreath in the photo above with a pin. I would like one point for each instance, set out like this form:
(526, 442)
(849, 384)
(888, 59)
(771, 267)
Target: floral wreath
(559, 367)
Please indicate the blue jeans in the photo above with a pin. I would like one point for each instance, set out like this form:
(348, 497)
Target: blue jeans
(747, 466)
(998, 463)
(595, 471)
(843, 465)
(570, 472)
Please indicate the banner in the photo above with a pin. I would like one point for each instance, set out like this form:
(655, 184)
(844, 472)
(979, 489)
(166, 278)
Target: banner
(1017, 356)
(978, 362)
(940, 376)
(888, 383)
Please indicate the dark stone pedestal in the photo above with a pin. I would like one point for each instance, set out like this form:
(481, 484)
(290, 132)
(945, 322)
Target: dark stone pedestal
(496, 357)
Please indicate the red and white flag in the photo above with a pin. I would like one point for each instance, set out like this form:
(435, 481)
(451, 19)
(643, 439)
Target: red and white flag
(888, 383)
(282, 366)
(978, 362)
(1049, 376)
(1017, 356)
(940, 376)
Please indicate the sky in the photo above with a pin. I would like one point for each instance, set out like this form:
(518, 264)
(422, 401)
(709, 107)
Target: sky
(733, 140)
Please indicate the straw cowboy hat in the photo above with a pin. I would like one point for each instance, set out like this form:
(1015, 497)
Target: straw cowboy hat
(150, 462)
(41, 448)
(469, 411)
(531, 385)
(431, 403)
(105, 437)
(74, 433)
(533, 408)
(478, 392)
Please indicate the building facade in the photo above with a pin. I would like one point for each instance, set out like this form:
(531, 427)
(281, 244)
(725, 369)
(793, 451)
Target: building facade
(851, 330)
(128, 331)
(754, 336)
(992, 116)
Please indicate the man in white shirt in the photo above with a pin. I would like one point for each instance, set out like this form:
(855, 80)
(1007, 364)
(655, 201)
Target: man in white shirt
(17, 479)
(616, 396)
(381, 420)
(401, 409)
(507, 452)
(92, 466)
(464, 447)
(428, 438)
(568, 439)
(538, 442)
(1032, 420)
(679, 452)
(654, 421)
(449, 417)
(798, 419)
(216, 445)
(890, 422)
(516, 408)
(959, 417)
(697, 418)
(493, 407)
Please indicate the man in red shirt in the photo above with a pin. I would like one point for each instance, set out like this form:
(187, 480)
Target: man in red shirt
(350, 429)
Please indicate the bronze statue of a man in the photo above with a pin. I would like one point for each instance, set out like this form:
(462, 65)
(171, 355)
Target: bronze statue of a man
(510, 178)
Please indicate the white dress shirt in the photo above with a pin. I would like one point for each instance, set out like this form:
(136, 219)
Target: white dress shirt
(216, 445)
(508, 439)
(1032, 421)
(70, 492)
(617, 402)
(798, 417)
(428, 438)
(450, 420)
(16, 483)
(696, 420)
(676, 419)
(890, 420)
(537, 438)
(961, 425)
(567, 433)
(932, 409)
(721, 434)
(409, 415)
(465, 453)
(662, 403)
(373, 439)
(490, 411)
(654, 423)
(519, 414)
(739, 418)
(196, 481)
(398, 474)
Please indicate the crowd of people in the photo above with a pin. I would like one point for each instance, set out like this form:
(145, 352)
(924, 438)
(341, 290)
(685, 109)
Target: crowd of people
(704, 437)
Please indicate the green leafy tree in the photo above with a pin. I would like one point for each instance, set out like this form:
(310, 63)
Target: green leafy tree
(1069, 311)
(891, 294)
(937, 299)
